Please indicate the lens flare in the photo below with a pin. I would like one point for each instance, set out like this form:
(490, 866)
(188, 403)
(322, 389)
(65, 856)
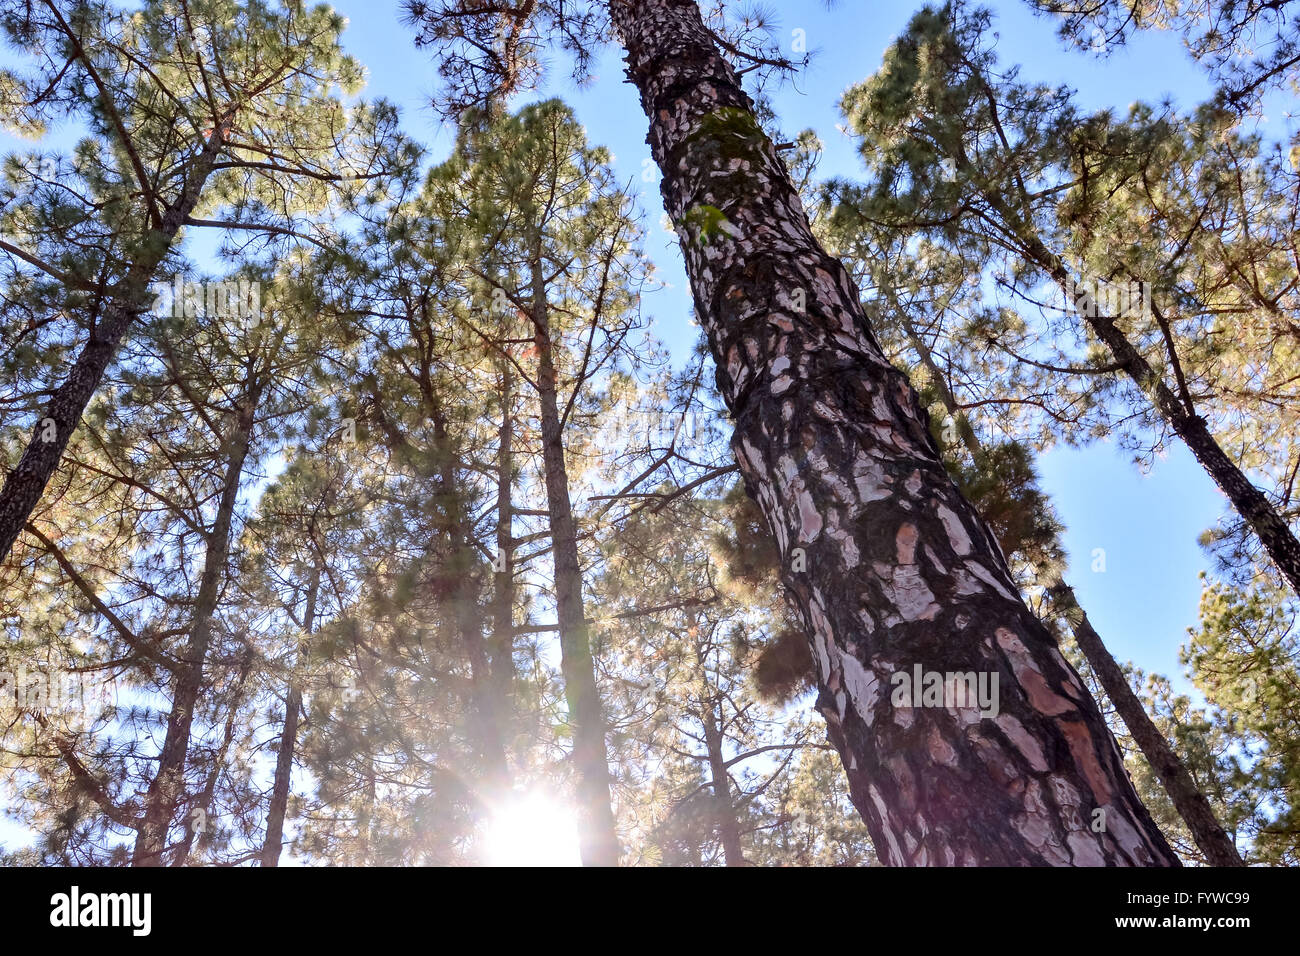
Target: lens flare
(532, 829)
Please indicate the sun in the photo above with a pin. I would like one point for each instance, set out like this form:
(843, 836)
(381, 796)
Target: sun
(532, 829)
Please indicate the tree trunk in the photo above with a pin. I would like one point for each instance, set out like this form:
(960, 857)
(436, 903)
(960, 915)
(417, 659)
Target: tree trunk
(1187, 797)
(596, 832)
(1249, 502)
(165, 789)
(197, 824)
(891, 569)
(503, 576)
(456, 584)
(463, 588)
(274, 842)
(26, 483)
(724, 810)
(469, 625)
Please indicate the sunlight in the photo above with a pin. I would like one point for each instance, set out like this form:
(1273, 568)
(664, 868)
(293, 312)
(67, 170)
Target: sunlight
(532, 829)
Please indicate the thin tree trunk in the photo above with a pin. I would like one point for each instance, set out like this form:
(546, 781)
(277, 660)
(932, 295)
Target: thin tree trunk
(503, 577)
(889, 566)
(274, 841)
(456, 579)
(196, 824)
(365, 816)
(464, 592)
(26, 483)
(492, 749)
(1187, 797)
(596, 831)
(165, 789)
(1249, 502)
(724, 810)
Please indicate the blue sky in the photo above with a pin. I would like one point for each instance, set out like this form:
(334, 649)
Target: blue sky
(1145, 600)
(1146, 523)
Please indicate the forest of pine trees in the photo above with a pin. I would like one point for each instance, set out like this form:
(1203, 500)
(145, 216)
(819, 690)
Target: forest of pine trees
(355, 512)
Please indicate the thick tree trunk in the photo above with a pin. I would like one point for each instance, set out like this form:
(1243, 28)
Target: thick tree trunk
(166, 788)
(1187, 797)
(26, 483)
(596, 831)
(274, 841)
(890, 568)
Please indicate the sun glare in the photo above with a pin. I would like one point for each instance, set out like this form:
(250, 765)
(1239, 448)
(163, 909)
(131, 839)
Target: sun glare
(532, 829)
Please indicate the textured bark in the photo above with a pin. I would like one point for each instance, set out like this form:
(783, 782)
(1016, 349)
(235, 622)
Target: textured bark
(167, 786)
(274, 841)
(597, 835)
(26, 483)
(1187, 797)
(887, 564)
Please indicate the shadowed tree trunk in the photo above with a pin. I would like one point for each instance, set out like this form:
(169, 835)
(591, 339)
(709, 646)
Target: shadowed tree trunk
(597, 836)
(165, 790)
(274, 842)
(724, 810)
(129, 300)
(888, 565)
(1178, 409)
(196, 820)
(1187, 797)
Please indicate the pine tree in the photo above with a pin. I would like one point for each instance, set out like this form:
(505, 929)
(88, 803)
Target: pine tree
(960, 155)
(1247, 48)
(559, 271)
(186, 116)
(834, 445)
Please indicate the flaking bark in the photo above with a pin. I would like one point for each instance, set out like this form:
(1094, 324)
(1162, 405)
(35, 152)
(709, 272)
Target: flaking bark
(887, 564)
(1174, 776)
